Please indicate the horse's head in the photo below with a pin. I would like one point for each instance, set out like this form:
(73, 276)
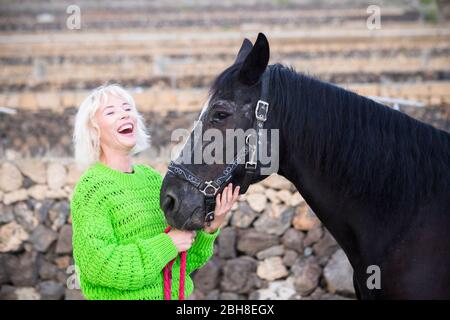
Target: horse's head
(222, 146)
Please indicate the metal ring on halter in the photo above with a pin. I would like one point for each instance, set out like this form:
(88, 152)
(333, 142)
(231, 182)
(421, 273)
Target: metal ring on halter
(210, 204)
(251, 164)
(207, 185)
(209, 217)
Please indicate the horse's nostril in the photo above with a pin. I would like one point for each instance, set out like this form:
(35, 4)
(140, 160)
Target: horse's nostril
(169, 204)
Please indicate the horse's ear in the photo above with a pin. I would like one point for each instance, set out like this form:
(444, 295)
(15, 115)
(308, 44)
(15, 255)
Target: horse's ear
(246, 47)
(256, 61)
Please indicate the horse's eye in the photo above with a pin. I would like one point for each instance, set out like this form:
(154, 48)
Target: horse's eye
(219, 116)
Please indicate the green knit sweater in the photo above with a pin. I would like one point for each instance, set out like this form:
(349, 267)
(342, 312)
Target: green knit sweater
(119, 244)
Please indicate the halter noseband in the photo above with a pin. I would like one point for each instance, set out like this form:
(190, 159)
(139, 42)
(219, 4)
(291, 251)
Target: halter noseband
(211, 187)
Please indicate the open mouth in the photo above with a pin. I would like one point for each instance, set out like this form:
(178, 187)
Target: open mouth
(126, 129)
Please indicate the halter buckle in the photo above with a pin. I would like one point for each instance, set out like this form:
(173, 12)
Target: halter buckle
(206, 186)
(250, 165)
(210, 204)
(262, 107)
(209, 217)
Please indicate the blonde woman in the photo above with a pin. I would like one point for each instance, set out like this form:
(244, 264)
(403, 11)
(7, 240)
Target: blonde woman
(119, 244)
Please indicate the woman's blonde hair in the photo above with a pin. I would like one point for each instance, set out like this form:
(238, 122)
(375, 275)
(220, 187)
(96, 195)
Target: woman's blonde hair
(86, 132)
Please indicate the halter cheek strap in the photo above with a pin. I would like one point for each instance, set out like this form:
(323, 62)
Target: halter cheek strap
(210, 188)
(261, 110)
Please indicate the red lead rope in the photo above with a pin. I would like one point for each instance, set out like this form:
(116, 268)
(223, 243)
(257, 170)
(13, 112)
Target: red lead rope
(168, 275)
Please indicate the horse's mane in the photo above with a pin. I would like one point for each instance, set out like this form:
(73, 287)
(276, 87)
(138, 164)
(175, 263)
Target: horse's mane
(364, 148)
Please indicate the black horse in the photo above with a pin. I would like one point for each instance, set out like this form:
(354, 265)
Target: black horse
(378, 179)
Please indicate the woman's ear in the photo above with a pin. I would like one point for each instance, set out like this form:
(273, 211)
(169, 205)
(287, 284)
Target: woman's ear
(255, 62)
(94, 132)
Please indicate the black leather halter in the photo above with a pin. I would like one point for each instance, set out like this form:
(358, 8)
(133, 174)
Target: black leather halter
(209, 188)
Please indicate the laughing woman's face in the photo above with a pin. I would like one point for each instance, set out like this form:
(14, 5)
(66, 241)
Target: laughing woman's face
(117, 122)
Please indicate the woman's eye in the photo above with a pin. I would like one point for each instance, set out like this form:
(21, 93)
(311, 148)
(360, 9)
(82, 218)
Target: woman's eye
(110, 113)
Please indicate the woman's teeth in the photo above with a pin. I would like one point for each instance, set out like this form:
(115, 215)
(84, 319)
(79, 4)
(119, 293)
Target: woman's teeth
(126, 128)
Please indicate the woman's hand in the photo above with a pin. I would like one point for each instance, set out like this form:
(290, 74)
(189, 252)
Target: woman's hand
(182, 239)
(224, 202)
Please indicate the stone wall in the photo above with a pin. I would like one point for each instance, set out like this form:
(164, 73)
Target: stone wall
(273, 246)
(35, 229)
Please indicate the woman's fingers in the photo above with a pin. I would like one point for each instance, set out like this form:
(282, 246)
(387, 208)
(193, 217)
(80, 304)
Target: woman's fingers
(230, 193)
(224, 196)
(236, 193)
(226, 199)
(225, 192)
(219, 203)
(218, 200)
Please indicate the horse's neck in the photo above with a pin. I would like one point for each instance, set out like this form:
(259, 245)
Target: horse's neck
(314, 187)
(313, 184)
(295, 166)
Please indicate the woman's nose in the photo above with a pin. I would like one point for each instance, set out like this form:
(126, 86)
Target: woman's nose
(124, 115)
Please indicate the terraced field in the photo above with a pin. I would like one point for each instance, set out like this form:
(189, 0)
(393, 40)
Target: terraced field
(167, 53)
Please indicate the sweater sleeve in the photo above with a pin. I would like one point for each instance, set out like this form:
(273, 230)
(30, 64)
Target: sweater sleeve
(201, 250)
(102, 260)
